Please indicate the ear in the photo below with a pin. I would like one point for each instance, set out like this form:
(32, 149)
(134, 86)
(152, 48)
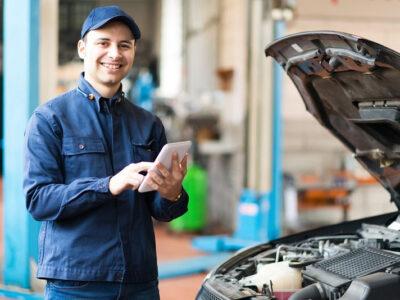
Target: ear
(81, 49)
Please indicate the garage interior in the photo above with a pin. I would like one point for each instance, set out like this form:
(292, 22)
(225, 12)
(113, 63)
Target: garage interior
(260, 167)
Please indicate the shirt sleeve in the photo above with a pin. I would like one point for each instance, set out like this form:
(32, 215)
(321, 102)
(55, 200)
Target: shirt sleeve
(166, 210)
(47, 196)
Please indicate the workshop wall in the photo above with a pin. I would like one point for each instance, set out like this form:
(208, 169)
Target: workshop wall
(201, 42)
(233, 21)
(216, 64)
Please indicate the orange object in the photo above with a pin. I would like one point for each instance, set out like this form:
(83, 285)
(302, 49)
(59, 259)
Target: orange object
(324, 198)
(366, 180)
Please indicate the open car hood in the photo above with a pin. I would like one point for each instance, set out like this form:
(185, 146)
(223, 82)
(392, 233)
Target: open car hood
(352, 87)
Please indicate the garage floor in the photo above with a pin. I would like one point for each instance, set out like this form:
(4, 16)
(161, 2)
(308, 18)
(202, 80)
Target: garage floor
(174, 246)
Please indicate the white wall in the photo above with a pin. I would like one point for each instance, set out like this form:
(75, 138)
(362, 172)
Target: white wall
(225, 38)
(201, 40)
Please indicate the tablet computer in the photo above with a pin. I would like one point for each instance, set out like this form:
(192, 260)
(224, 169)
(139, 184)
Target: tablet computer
(165, 157)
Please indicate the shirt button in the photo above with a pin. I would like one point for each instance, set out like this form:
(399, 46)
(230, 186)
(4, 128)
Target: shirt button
(102, 186)
(118, 276)
(81, 146)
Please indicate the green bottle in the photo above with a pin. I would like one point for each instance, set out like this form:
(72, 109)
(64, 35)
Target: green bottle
(195, 184)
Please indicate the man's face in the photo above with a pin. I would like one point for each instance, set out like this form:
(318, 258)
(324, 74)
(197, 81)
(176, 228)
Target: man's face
(108, 54)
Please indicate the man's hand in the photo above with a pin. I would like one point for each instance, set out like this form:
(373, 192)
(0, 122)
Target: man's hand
(128, 178)
(169, 184)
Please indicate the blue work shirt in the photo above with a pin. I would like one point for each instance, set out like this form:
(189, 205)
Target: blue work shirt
(73, 144)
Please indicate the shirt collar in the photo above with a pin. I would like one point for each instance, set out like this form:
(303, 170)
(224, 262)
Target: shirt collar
(85, 88)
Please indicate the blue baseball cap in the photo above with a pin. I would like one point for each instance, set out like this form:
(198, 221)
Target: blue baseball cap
(101, 15)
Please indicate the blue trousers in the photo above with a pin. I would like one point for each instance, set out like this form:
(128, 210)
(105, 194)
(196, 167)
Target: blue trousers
(67, 289)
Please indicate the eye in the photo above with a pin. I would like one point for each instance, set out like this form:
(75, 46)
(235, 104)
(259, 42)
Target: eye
(102, 43)
(125, 46)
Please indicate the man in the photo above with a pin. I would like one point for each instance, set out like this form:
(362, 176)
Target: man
(85, 152)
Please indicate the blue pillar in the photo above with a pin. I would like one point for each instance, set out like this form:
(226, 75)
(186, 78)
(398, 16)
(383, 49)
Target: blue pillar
(21, 92)
(271, 202)
(277, 176)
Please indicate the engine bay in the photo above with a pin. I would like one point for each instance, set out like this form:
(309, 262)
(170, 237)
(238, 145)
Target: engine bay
(355, 266)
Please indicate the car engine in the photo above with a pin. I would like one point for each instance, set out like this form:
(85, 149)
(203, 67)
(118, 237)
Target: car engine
(365, 265)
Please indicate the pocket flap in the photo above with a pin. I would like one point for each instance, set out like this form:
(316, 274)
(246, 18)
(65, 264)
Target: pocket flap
(148, 146)
(143, 151)
(82, 145)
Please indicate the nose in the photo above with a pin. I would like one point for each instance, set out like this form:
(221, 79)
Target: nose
(114, 52)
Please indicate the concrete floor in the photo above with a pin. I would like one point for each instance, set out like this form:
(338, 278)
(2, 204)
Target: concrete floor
(174, 246)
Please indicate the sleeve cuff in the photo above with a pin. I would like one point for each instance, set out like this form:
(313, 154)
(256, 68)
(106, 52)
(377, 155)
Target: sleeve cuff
(102, 185)
(179, 206)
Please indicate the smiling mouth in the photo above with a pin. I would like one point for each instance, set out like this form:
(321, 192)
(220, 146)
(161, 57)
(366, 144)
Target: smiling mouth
(111, 66)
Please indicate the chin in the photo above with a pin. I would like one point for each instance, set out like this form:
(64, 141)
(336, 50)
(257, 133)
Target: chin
(111, 82)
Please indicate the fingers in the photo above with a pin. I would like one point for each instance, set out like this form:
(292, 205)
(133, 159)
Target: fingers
(135, 181)
(153, 184)
(156, 178)
(128, 178)
(175, 163)
(184, 164)
(166, 182)
(169, 183)
(177, 168)
(142, 166)
(124, 181)
(163, 170)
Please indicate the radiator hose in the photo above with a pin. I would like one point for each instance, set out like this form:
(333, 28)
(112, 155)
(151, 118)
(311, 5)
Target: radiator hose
(310, 292)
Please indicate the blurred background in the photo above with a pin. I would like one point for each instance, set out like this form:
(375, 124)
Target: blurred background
(260, 166)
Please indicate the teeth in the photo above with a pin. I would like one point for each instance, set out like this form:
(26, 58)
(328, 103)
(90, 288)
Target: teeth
(111, 66)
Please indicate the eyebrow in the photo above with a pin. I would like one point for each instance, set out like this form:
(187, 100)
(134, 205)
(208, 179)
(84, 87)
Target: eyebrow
(107, 39)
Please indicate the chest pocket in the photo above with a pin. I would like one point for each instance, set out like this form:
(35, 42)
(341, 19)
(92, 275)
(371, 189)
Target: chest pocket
(143, 151)
(83, 157)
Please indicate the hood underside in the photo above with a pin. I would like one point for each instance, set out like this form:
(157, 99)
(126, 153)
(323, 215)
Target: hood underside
(352, 87)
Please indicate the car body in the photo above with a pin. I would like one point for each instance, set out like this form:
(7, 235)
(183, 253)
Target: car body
(352, 87)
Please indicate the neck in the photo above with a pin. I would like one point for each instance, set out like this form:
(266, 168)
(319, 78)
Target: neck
(106, 91)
